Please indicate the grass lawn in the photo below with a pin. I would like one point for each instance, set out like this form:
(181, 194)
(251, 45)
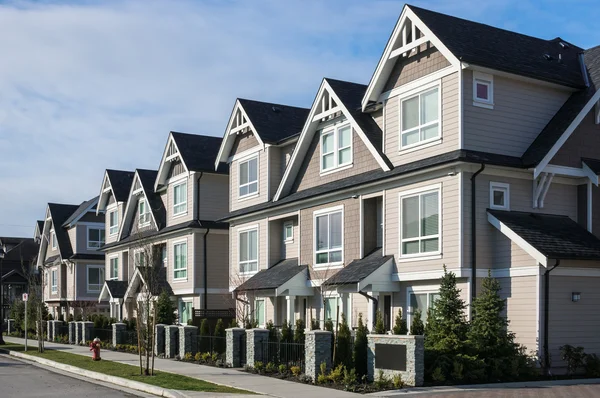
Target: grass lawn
(160, 379)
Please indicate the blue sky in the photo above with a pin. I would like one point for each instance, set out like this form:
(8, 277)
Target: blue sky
(86, 86)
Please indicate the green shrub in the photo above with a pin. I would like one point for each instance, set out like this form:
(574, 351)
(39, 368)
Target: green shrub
(258, 366)
(379, 325)
(329, 325)
(206, 356)
(286, 332)
(188, 356)
(337, 374)
(214, 357)
(360, 348)
(282, 369)
(343, 350)
(299, 331)
(296, 370)
(417, 327)
(350, 379)
(219, 345)
(397, 381)
(322, 377)
(165, 309)
(272, 331)
(204, 344)
(573, 356)
(270, 368)
(400, 325)
(592, 365)
(314, 324)
(438, 375)
(382, 382)
(198, 356)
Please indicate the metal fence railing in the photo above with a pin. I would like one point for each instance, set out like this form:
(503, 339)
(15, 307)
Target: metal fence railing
(212, 344)
(105, 335)
(130, 337)
(279, 352)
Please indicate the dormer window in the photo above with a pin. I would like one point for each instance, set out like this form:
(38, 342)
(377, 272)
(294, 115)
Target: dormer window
(248, 171)
(144, 213)
(336, 147)
(113, 222)
(95, 238)
(420, 116)
(483, 90)
(180, 199)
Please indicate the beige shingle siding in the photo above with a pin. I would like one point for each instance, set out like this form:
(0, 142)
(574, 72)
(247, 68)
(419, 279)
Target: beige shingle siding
(218, 267)
(449, 219)
(214, 191)
(278, 248)
(262, 183)
(243, 142)
(360, 305)
(449, 132)
(133, 223)
(309, 173)
(419, 64)
(275, 169)
(378, 117)
(584, 142)
(521, 110)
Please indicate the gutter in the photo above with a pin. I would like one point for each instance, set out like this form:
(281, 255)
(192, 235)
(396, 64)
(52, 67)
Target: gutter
(546, 313)
(474, 235)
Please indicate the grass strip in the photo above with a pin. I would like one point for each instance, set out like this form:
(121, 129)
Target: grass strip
(129, 372)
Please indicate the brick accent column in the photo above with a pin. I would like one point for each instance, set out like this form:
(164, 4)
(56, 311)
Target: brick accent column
(118, 330)
(233, 343)
(413, 373)
(171, 340)
(159, 341)
(317, 349)
(256, 340)
(72, 332)
(188, 340)
(49, 331)
(87, 331)
(10, 326)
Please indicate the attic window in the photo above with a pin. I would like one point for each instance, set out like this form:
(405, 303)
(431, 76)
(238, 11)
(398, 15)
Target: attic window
(483, 90)
(499, 196)
(53, 240)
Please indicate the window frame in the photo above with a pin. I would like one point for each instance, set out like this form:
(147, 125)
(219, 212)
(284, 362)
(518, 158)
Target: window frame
(334, 130)
(146, 213)
(286, 238)
(111, 268)
(183, 211)
(414, 290)
(181, 270)
(101, 277)
(100, 242)
(417, 93)
(110, 225)
(249, 159)
(503, 187)
(487, 80)
(264, 312)
(331, 296)
(53, 281)
(137, 261)
(420, 192)
(327, 212)
(53, 240)
(247, 230)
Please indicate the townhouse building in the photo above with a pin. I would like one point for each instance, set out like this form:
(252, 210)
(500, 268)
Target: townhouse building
(472, 148)
(168, 217)
(73, 269)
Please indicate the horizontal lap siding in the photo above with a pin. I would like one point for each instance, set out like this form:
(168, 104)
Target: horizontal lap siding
(214, 196)
(275, 169)
(521, 298)
(449, 219)
(235, 278)
(263, 166)
(218, 266)
(450, 127)
(521, 110)
(583, 143)
(420, 63)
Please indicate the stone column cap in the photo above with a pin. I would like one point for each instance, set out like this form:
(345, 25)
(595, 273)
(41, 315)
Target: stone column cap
(318, 332)
(259, 330)
(188, 327)
(236, 329)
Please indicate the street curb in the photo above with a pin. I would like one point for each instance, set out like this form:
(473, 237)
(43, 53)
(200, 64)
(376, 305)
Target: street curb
(119, 381)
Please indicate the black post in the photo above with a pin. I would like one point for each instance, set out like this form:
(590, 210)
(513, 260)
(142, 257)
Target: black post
(474, 236)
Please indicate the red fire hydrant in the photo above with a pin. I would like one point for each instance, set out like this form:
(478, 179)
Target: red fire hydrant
(95, 348)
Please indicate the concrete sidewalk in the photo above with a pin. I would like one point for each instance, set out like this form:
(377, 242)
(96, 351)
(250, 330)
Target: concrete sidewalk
(224, 376)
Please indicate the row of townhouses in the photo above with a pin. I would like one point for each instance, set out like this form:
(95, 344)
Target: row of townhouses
(471, 148)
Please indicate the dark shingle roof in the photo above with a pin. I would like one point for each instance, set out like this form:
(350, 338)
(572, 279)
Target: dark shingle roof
(52, 259)
(500, 49)
(83, 207)
(567, 113)
(358, 270)
(593, 164)
(351, 95)
(117, 288)
(60, 213)
(147, 178)
(120, 181)
(87, 256)
(199, 152)
(40, 225)
(273, 277)
(274, 122)
(10, 240)
(556, 237)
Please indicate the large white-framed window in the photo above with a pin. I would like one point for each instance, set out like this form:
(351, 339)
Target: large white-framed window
(420, 222)
(331, 309)
(499, 195)
(180, 198)
(180, 260)
(288, 231)
(185, 310)
(54, 281)
(113, 222)
(483, 90)
(248, 250)
(336, 147)
(421, 298)
(95, 238)
(143, 213)
(259, 312)
(420, 117)
(95, 278)
(114, 267)
(248, 177)
(329, 237)
(140, 258)
(53, 241)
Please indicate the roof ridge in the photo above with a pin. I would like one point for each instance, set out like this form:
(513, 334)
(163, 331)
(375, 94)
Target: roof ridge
(270, 103)
(344, 81)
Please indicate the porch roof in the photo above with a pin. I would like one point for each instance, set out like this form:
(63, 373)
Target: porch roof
(373, 272)
(274, 277)
(113, 290)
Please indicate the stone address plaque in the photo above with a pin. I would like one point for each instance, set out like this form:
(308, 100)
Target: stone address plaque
(390, 356)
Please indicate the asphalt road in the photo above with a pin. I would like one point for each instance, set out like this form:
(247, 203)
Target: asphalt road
(22, 380)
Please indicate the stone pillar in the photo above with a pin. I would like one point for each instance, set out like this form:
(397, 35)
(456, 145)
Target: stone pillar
(404, 355)
(291, 310)
(171, 340)
(317, 349)
(256, 340)
(49, 331)
(159, 341)
(233, 346)
(78, 332)
(87, 329)
(188, 340)
(10, 326)
(118, 330)
(72, 332)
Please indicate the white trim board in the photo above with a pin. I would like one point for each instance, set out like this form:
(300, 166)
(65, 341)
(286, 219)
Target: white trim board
(532, 251)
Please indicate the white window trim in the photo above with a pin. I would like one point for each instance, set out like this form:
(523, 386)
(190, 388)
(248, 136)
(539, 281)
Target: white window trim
(418, 290)
(334, 130)
(110, 267)
(239, 232)
(406, 96)
(487, 79)
(146, 211)
(87, 277)
(264, 311)
(53, 281)
(100, 236)
(316, 214)
(415, 192)
(285, 237)
(239, 185)
(116, 226)
(177, 243)
(330, 295)
(500, 186)
(53, 240)
(182, 212)
(137, 252)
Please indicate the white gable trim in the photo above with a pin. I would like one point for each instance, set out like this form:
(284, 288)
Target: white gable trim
(510, 234)
(129, 211)
(565, 136)
(103, 192)
(88, 209)
(231, 132)
(389, 57)
(136, 279)
(105, 293)
(161, 176)
(306, 136)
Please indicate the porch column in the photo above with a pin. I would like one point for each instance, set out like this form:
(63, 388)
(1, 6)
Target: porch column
(291, 310)
(371, 311)
(275, 309)
(344, 307)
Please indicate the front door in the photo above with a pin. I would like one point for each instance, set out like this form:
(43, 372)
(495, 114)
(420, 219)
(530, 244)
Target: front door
(387, 312)
(185, 311)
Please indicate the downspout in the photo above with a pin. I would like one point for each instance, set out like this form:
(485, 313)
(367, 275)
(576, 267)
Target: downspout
(474, 234)
(205, 269)
(375, 302)
(546, 320)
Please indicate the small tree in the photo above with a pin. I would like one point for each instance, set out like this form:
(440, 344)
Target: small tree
(272, 331)
(165, 310)
(379, 325)
(220, 334)
(314, 324)
(400, 324)
(343, 352)
(417, 327)
(286, 332)
(360, 348)
(204, 336)
(299, 331)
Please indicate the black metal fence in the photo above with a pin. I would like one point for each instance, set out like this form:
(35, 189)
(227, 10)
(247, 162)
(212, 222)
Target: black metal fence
(105, 335)
(243, 349)
(130, 337)
(279, 352)
(212, 344)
